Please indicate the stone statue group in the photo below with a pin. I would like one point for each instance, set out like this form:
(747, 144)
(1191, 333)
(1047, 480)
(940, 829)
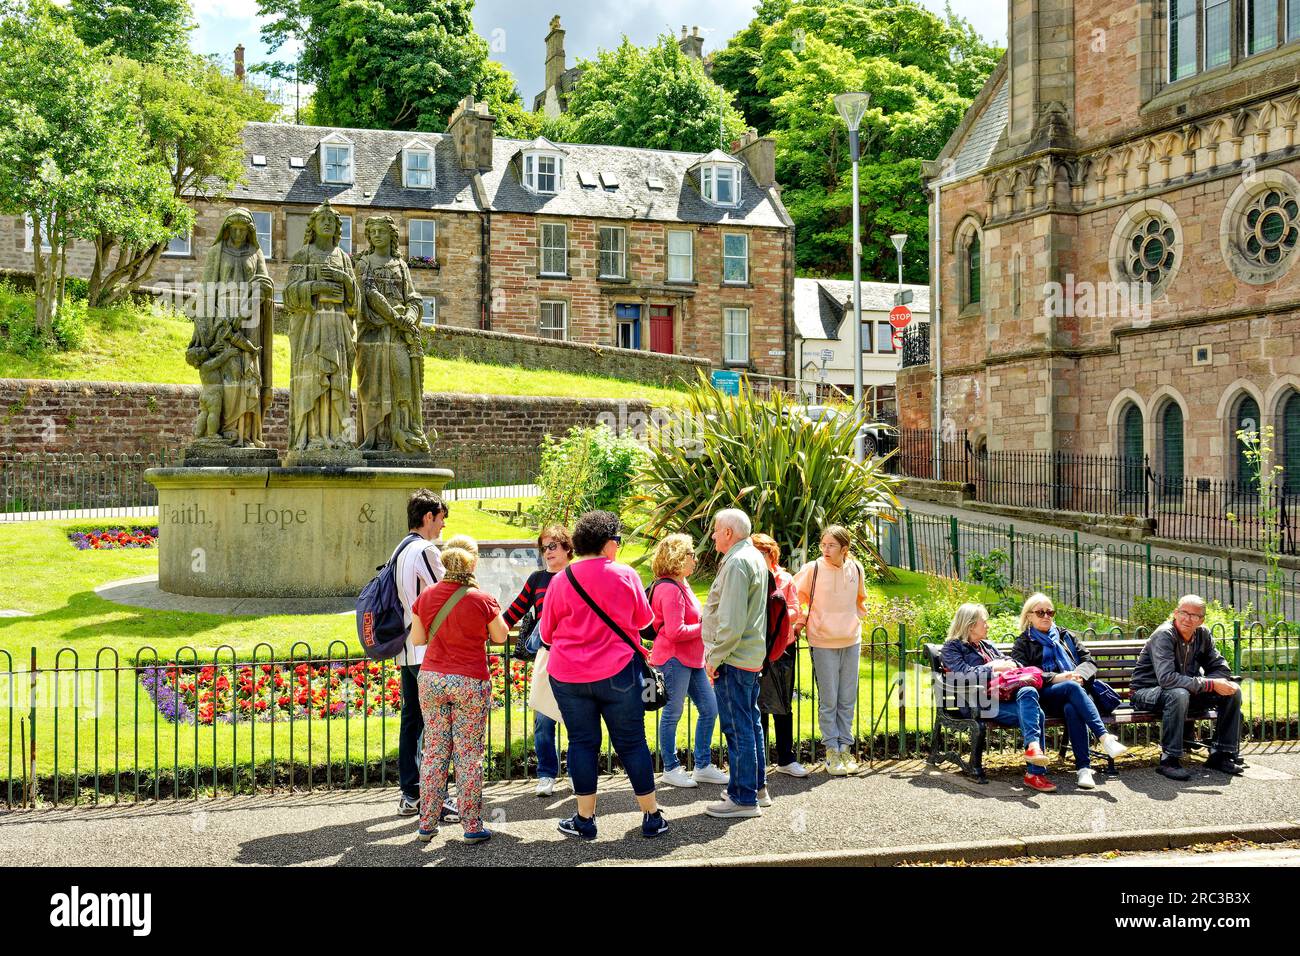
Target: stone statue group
(342, 315)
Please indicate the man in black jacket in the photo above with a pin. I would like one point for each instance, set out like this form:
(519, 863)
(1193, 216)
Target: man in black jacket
(1180, 671)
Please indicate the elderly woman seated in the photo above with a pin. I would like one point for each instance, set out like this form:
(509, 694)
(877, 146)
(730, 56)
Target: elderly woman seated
(971, 661)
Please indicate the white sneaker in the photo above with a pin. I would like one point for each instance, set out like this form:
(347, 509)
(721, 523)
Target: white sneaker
(678, 777)
(725, 808)
(1111, 745)
(545, 786)
(764, 798)
(835, 763)
(795, 769)
(1086, 782)
(710, 774)
(848, 763)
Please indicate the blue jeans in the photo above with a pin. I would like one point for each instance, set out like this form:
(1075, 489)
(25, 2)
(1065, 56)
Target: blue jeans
(1071, 700)
(617, 699)
(1026, 713)
(548, 754)
(742, 725)
(681, 681)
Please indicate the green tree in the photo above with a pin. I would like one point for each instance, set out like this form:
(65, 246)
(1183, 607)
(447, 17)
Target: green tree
(922, 71)
(189, 115)
(76, 162)
(392, 64)
(654, 97)
(145, 30)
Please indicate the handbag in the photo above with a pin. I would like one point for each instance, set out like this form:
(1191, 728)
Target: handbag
(527, 623)
(1006, 683)
(654, 692)
(541, 697)
(1104, 696)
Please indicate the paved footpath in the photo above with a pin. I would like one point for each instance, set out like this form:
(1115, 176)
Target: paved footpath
(893, 805)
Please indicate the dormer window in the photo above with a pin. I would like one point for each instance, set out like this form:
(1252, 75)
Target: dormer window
(336, 160)
(417, 165)
(720, 186)
(543, 167)
(719, 178)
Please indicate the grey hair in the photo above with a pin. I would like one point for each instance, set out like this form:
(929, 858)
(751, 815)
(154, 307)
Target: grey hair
(1193, 599)
(964, 619)
(736, 520)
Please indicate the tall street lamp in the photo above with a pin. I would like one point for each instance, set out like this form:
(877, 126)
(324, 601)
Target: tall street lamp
(899, 239)
(851, 107)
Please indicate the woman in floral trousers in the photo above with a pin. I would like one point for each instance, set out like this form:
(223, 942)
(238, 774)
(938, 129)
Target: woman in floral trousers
(455, 619)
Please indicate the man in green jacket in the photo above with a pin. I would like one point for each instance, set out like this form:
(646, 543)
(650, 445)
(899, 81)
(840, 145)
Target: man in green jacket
(734, 628)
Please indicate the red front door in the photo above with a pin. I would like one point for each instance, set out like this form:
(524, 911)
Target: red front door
(661, 329)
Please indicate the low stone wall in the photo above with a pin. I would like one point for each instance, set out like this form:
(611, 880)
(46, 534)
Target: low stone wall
(40, 416)
(951, 493)
(527, 351)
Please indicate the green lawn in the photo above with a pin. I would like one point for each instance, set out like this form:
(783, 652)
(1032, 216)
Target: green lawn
(148, 345)
(104, 720)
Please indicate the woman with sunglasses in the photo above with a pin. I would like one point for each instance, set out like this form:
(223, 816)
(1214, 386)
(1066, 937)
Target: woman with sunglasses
(1067, 668)
(592, 623)
(557, 551)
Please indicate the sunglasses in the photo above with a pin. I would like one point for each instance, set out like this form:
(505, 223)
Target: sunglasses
(617, 539)
(1041, 613)
(548, 548)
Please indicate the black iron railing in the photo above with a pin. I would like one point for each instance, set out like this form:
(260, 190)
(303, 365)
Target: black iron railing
(916, 345)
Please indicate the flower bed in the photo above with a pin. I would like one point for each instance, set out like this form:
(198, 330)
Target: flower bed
(227, 693)
(107, 539)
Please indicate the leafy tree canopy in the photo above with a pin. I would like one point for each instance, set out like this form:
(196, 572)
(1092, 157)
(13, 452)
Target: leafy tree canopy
(145, 30)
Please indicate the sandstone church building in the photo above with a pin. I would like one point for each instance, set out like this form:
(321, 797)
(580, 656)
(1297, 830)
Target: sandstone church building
(1114, 232)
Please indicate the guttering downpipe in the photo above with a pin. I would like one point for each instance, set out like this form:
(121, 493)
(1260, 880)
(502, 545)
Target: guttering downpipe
(936, 325)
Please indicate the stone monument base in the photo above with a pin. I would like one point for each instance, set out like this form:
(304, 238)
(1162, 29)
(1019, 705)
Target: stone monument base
(324, 458)
(392, 458)
(280, 532)
(215, 454)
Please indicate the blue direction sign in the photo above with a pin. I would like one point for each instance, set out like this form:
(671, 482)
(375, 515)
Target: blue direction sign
(726, 382)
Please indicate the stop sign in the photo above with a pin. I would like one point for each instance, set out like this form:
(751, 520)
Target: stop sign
(900, 316)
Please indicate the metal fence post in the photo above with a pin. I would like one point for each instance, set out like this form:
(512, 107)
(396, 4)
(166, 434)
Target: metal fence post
(911, 540)
(1232, 586)
(1078, 575)
(1236, 647)
(31, 720)
(902, 690)
(1150, 589)
(956, 547)
(1011, 551)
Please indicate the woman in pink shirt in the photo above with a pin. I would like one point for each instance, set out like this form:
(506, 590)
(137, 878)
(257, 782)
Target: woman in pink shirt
(591, 621)
(679, 653)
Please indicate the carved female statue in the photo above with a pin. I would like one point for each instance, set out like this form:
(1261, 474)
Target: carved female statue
(321, 298)
(390, 362)
(231, 346)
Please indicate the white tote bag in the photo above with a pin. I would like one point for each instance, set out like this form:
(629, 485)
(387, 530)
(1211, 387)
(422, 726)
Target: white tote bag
(540, 696)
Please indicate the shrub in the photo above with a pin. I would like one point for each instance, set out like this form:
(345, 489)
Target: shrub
(1150, 612)
(986, 569)
(588, 469)
(791, 476)
(19, 333)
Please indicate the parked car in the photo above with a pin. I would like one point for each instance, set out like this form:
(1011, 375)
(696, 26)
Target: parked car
(877, 439)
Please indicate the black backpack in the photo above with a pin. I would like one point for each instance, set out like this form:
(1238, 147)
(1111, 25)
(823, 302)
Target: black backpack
(648, 633)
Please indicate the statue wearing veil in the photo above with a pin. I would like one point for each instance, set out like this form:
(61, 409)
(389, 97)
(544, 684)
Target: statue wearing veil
(321, 298)
(390, 360)
(231, 345)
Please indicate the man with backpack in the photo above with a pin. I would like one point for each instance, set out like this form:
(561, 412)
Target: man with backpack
(734, 628)
(418, 566)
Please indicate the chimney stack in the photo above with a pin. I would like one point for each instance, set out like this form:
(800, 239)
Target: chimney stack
(471, 131)
(239, 62)
(758, 153)
(554, 53)
(692, 45)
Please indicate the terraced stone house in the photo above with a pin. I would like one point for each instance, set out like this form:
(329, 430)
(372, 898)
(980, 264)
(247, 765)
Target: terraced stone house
(677, 253)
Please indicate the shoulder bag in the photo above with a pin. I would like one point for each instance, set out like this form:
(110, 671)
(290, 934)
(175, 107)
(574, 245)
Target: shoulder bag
(654, 693)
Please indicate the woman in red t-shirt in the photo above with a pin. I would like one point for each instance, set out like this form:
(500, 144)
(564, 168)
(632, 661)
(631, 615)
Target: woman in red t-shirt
(455, 692)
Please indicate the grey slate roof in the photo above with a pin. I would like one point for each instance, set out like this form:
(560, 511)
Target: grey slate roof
(983, 136)
(820, 304)
(377, 173)
(678, 201)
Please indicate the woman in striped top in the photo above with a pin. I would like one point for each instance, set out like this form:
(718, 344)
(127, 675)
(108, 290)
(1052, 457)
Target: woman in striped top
(557, 551)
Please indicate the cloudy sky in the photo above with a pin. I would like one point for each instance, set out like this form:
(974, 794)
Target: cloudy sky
(515, 31)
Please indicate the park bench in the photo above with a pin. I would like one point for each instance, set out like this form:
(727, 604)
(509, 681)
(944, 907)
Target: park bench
(1115, 661)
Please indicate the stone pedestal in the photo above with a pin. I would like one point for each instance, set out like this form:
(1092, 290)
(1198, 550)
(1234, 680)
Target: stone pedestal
(333, 458)
(391, 458)
(215, 454)
(280, 532)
